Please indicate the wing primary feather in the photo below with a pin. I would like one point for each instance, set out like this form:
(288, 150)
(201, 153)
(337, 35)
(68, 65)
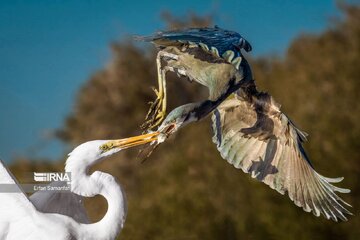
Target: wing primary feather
(278, 159)
(335, 198)
(308, 196)
(317, 194)
(298, 182)
(332, 180)
(327, 201)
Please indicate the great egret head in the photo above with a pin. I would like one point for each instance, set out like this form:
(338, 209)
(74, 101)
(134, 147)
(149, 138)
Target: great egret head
(88, 153)
(93, 151)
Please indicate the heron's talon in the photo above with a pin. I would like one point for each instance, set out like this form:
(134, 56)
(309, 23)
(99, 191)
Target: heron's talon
(153, 109)
(154, 117)
(160, 115)
(156, 91)
(155, 124)
(156, 113)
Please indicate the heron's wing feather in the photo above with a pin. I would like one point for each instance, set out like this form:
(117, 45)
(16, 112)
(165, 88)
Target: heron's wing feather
(14, 202)
(65, 203)
(256, 137)
(216, 37)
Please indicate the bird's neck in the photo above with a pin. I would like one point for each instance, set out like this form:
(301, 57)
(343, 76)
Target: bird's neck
(110, 225)
(202, 109)
(99, 183)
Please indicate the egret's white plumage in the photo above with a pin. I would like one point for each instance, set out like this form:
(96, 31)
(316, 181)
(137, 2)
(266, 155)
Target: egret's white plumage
(22, 219)
(65, 203)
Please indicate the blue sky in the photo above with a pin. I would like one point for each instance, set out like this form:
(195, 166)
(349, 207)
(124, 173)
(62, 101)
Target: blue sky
(48, 49)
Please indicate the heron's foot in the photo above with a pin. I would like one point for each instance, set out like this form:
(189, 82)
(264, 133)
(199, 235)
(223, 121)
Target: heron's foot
(156, 105)
(153, 120)
(156, 113)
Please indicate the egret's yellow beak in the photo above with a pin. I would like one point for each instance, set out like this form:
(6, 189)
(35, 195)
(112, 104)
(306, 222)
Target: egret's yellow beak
(130, 142)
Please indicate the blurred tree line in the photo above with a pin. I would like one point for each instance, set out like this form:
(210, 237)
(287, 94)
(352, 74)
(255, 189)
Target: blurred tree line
(185, 190)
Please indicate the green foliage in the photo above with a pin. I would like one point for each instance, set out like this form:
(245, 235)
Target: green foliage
(185, 190)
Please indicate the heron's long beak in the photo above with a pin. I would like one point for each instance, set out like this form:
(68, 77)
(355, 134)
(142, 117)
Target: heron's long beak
(130, 142)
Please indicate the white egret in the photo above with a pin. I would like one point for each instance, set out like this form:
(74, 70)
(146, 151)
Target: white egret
(21, 219)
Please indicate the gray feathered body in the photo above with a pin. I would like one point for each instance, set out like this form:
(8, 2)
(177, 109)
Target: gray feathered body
(250, 131)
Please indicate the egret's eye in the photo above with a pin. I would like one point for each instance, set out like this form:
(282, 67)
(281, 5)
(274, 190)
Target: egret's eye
(106, 147)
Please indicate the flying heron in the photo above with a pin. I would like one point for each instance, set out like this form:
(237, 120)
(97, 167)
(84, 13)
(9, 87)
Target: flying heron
(57, 215)
(250, 131)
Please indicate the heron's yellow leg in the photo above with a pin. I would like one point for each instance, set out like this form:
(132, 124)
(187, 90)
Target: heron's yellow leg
(157, 111)
(160, 111)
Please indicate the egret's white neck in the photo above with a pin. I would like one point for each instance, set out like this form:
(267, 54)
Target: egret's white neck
(98, 183)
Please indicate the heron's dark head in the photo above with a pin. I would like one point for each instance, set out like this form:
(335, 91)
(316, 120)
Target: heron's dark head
(176, 119)
(179, 117)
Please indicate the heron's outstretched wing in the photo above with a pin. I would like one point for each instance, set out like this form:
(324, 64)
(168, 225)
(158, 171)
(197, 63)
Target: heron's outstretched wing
(255, 136)
(216, 37)
(64, 203)
(13, 201)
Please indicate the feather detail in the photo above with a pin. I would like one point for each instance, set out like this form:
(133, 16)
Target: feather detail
(268, 146)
